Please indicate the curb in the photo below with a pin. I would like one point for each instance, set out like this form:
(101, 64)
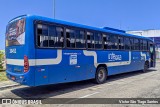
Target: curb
(9, 86)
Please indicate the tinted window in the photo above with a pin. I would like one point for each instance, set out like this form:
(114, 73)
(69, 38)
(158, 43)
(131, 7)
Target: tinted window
(132, 44)
(98, 41)
(127, 43)
(90, 40)
(136, 44)
(121, 43)
(80, 39)
(113, 41)
(141, 44)
(145, 47)
(42, 33)
(106, 41)
(49, 36)
(70, 38)
(110, 41)
(56, 37)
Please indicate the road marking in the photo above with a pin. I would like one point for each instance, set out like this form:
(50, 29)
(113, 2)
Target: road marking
(89, 95)
(79, 98)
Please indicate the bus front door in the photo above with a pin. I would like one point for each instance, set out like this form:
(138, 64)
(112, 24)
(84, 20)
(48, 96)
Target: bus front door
(152, 55)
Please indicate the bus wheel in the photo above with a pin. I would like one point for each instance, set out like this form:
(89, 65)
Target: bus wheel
(145, 67)
(101, 75)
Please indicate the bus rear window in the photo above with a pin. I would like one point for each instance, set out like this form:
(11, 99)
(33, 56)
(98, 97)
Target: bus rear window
(15, 33)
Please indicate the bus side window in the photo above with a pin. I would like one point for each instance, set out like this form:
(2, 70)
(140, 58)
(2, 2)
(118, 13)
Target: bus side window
(55, 37)
(39, 32)
(109, 42)
(52, 36)
(49, 36)
(70, 38)
(132, 44)
(90, 40)
(121, 43)
(105, 42)
(60, 37)
(145, 48)
(136, 44)
(141, 45)
(42, 33)
(80, 39)
(98, 41)
(127, 43)
(114, 41)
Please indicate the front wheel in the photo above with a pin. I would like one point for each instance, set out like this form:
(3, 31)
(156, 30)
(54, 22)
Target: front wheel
(101, 75)
(145, 67)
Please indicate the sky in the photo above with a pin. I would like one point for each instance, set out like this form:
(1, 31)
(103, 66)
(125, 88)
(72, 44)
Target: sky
(120, 14)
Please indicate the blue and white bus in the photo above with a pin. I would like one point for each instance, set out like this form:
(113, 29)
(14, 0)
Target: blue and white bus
(41, 51)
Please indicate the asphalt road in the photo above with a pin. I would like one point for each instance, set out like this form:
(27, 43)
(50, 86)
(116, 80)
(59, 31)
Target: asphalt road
(128, 85)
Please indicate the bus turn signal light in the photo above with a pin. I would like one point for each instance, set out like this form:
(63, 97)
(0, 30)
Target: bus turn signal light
(26, 64)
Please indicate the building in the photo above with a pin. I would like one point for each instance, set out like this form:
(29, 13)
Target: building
(153, 34)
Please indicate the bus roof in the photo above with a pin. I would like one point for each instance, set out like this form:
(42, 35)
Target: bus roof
(105, 29)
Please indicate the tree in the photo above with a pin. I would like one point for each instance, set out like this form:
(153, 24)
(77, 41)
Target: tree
(1, 58)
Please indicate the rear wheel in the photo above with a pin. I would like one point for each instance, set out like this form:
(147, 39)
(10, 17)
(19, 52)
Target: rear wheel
(101, 75)
(145, 67)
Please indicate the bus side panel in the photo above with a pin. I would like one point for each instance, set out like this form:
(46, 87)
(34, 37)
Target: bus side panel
(42, 68)
(137, 61)
(73, 66)
(116, 61)
(41, 75)
(78, 67)
(30, 50)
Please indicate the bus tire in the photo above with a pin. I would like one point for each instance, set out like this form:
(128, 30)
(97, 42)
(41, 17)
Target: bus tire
(145, 67)
(101, 75)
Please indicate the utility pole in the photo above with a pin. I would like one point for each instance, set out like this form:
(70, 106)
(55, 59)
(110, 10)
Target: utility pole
(54, 8)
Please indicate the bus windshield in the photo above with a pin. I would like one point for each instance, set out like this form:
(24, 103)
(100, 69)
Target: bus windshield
(15, 33)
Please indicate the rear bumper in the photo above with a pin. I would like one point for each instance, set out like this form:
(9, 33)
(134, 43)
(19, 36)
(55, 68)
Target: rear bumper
(20, 78)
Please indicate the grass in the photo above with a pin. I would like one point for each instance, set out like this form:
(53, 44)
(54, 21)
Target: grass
(1, 70)
(3, 76)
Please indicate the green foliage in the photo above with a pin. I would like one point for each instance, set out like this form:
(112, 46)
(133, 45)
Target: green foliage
(3, 76)
(2, 53)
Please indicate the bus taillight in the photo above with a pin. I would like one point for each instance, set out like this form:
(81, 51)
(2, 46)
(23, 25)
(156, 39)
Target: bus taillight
(26, 64)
